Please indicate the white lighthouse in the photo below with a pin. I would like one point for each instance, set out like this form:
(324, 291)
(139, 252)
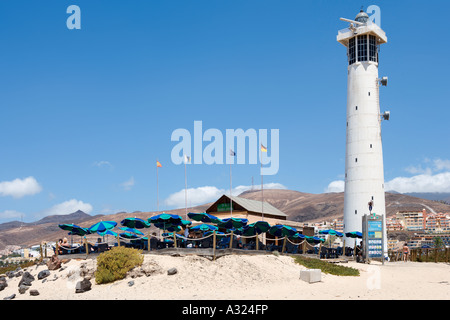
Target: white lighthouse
(364, 176)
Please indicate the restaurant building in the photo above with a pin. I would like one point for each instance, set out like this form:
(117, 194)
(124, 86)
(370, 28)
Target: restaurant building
(252, 210)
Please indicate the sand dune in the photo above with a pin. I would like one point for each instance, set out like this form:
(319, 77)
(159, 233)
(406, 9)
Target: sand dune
(247, 277)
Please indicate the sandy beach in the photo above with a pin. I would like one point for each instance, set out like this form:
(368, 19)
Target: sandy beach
(236, 277)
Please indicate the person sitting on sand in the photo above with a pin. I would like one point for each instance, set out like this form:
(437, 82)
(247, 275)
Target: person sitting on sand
(405, 252)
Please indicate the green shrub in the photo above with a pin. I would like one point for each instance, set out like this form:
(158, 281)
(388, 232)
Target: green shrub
(326, 267)
(114, 264)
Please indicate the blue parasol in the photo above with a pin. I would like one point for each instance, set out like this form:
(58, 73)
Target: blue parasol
(166, 218)
(204, 227)
(229, 223)
(280, 230)
(354, 234)
(102, 226)
(257, 227)
(135, 223)
(132, 230)
(203, 217)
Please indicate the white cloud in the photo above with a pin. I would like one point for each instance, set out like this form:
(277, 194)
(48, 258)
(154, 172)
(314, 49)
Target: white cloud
(67, 207)
(418, 170)
(195, 196)
(202, 195)
(440, 164)
(239, 189)
(10, 214)
(335, 186)
(102, 164)
(432, 166)
(19, 188)
(127, 185)
(435, 177)
(439, 182)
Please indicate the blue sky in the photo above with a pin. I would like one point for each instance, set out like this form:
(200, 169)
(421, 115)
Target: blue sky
(86, 113)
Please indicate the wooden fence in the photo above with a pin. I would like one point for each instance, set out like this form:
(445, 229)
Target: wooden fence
(422, 255)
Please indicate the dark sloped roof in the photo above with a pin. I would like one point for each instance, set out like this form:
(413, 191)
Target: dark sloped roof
(254, 206)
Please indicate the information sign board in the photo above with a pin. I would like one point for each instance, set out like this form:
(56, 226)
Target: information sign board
(373, 236)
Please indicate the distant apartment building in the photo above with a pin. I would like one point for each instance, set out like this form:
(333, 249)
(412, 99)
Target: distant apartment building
(338, 225)
(419, 221)
(320, 226)
(420, 240)
(411, 220)
(394, 244)
(437, 223)
(393, 224)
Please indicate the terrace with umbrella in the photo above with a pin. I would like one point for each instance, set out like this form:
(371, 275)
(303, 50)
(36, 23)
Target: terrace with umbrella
(224, 229)
(73, 230)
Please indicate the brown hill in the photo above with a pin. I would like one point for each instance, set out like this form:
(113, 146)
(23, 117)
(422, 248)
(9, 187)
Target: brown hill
(308, 207)
(34, 233)
(299, 206)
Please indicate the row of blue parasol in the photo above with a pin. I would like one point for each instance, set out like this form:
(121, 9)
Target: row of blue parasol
(129, 227)
(173, 223)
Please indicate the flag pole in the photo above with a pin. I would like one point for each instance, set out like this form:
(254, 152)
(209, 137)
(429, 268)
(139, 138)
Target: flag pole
(262, 189)
(262, 196)
(185, 187)
(231, 199)
(185, 190)
(232, 153)
(157, 188)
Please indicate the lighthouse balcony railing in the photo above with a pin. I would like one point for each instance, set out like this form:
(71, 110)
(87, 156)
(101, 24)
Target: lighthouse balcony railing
(370, 27)
(343, 31)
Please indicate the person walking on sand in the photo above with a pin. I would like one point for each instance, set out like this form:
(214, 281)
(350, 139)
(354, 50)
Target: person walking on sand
(405, 252)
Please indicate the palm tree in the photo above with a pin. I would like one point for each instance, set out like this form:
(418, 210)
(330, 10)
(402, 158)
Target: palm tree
(438, 242)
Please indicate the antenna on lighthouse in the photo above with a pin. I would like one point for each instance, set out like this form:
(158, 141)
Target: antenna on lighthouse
(352, 21)
(360, 19)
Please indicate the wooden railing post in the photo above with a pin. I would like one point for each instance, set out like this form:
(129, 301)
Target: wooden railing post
(175, 239)
(86, 245)
(284, 244)
(214, 244)
(231, 239)
(41, 252)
